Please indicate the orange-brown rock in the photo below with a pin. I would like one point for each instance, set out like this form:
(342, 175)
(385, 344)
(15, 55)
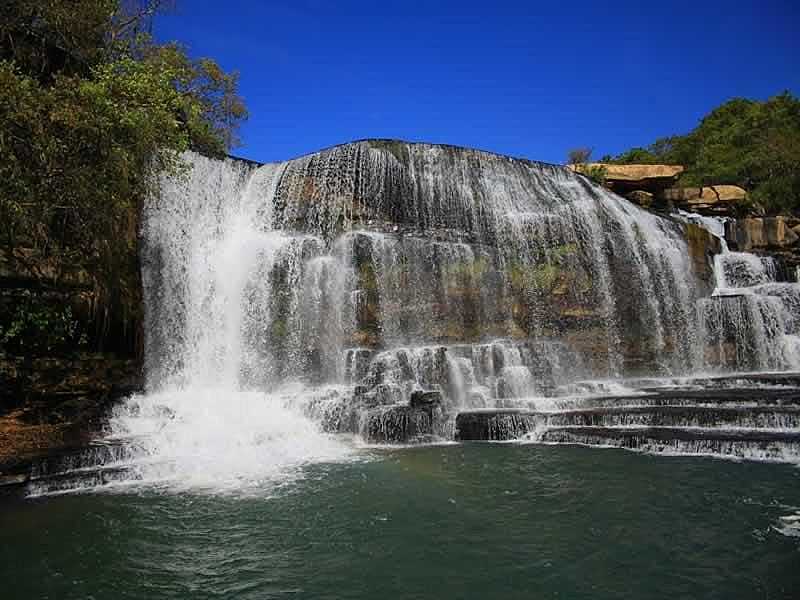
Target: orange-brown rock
(640, 173)
(715, 199)
(634, 174)
(764, 233)
(624, 179)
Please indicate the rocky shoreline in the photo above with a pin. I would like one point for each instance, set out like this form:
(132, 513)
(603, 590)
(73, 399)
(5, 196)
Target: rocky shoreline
(50, 406)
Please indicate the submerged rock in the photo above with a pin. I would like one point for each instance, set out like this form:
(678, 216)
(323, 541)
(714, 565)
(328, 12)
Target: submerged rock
(707, 200)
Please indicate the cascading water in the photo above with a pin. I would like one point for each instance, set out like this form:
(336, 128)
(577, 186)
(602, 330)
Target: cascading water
(390, 265)
(382, 289)
(212, 417)
(750, 321)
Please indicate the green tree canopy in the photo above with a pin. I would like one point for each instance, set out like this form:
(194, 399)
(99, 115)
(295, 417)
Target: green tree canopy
(753, 144)
(90, 108)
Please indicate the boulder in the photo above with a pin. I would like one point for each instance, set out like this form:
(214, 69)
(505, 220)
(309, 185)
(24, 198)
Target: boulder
(640, 173)
(624, 179)
(767, 233)
(714, 199)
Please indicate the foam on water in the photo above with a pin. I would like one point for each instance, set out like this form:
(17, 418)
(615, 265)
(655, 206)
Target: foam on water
(219, 440)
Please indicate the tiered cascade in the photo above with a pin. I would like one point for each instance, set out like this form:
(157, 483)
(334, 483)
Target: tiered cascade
(382, 288)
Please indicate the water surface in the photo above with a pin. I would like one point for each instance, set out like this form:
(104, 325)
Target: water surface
(454, 521)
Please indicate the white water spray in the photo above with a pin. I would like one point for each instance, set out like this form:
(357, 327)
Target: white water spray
(206, 422)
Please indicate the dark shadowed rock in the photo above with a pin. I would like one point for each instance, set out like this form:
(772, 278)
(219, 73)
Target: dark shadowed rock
(398, 425)
(495, 425)
(425, 399)
(640, 197)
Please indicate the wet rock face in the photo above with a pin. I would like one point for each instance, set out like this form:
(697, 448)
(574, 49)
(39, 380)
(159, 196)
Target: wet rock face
(434, 244)
(421, 399)
(395, 268)
(400, 425)
(703, 246)
(497, 425)
(756, 416)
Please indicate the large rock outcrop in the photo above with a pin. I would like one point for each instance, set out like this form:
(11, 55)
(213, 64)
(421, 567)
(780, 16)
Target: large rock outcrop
(709, 200)
(65, 355)
(624, 179)
(51, 404)
(654, 186)
(763, 233)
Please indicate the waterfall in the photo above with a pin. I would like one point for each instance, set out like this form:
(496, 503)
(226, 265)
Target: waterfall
(398, 268)
(255, 276)
(750, 321)
(382, 288)
(214, 416)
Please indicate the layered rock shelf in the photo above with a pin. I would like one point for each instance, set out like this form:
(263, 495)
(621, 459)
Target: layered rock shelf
(738, 417)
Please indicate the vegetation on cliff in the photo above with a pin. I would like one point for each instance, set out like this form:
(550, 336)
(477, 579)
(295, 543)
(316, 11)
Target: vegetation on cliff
(89, 107)
(752, 144)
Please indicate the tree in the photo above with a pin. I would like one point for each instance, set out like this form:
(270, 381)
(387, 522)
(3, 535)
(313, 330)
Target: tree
(579, 156)
(752, 144)
(90, 107)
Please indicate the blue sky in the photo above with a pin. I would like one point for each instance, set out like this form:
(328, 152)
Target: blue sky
(527, 79)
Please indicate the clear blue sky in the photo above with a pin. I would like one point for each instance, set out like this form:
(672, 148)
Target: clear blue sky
(529, 79)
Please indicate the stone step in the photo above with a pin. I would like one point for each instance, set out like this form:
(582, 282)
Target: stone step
(758, 444)
(770, 417)
(728, 380)
(88, 457)
(496, 425)
(677, 433)
(711, 398)
(83, 478)
(711, 422)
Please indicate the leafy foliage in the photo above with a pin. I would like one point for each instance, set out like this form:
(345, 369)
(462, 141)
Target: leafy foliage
(36, 327)
(90, 108)
(755, 145)
(597, 173)
(579, 159)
